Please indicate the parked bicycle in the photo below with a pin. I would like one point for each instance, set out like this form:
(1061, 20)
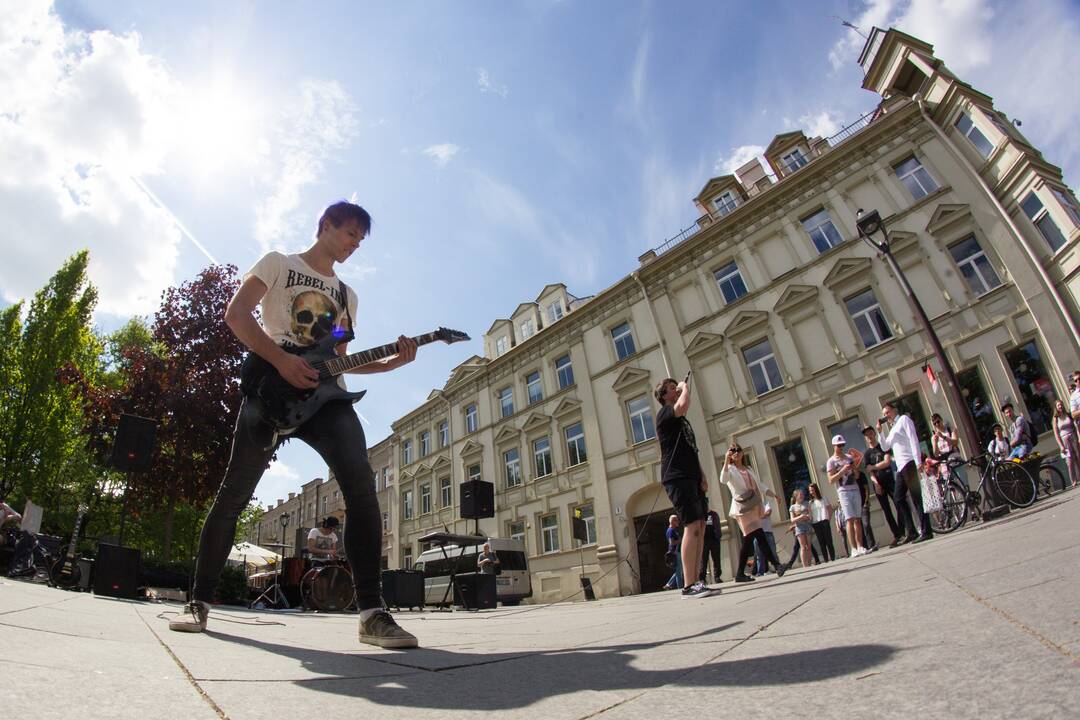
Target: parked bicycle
(1050, 479)
(1010, 480)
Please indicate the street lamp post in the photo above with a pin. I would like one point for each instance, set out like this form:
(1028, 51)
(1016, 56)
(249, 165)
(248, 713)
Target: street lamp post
(869, 224)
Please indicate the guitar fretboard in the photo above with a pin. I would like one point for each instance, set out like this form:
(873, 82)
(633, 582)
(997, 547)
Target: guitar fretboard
(339, 365)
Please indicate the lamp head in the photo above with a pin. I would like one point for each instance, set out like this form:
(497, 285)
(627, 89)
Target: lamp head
(868, 223)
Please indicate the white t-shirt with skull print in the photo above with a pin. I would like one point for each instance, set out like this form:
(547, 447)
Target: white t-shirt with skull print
(301, 306)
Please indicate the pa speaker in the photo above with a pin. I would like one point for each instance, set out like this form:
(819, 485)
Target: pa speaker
(477, 499)
(134, 445)
(116, 571)
(475, 591)
(403, 588)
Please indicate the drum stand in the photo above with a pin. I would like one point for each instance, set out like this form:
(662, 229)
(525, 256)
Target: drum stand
(273, 595)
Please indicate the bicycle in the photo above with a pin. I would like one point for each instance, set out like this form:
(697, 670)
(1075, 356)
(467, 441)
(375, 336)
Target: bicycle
(1011, 481)
(1049, 479)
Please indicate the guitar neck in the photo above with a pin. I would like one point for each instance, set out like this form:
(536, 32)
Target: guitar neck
(339, 365)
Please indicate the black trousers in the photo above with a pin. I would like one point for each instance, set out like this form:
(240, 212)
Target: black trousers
(335, 433)
(824, 537)
(907, 483)
(795, 551)
(747, 550)
(710, 550)
(888, 488)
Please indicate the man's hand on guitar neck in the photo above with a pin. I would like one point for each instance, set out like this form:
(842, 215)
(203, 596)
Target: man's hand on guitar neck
(406, 353)
(296, 371)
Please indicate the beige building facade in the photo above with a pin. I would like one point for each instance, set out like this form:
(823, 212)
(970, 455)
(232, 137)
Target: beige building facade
(795, 329)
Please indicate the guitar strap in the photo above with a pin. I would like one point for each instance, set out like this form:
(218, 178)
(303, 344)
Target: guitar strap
(350, 335)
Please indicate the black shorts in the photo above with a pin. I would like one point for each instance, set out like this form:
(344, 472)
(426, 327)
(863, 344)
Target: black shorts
(686, 496)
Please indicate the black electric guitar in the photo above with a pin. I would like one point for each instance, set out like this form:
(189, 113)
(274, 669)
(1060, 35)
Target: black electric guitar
(286, 407)
(65, 572)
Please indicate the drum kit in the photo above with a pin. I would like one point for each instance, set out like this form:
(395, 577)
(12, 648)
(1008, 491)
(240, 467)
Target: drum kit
(325, 585)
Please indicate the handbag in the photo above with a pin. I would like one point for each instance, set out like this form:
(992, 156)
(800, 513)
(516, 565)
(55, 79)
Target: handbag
(746, 497)
(669, 559)
(931, 494)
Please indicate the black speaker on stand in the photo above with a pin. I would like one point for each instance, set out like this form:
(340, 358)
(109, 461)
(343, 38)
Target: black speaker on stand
(477, 501)
(133, 451)
(116, 571)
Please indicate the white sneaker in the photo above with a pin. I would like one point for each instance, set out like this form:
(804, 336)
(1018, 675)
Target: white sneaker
(698, 589)
(854, 553)
(193, 619)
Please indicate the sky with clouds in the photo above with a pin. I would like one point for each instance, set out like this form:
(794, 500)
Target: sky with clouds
(500, 147)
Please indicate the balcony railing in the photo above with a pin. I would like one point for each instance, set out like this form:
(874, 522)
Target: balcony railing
(672, 242)
(852, 129)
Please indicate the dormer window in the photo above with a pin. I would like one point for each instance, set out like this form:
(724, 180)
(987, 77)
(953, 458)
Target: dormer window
(972, 132)
(555, 311)
(725, 203)
(528, 329)
(502, 345)
(794, 160)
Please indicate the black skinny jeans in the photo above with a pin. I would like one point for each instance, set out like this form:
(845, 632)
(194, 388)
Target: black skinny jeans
(335, 433)
(907, 481)
(824, 538)
(888, 490)
(747, 550)
(710, 550)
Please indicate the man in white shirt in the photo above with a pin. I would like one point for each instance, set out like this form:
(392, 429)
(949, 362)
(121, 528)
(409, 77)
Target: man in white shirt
(902, 441)
(322, 541)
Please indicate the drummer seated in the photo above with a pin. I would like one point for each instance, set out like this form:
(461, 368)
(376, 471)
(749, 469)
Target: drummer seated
(322, 542)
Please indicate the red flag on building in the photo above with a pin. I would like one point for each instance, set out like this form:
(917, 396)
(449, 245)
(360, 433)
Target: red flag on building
(931, 376)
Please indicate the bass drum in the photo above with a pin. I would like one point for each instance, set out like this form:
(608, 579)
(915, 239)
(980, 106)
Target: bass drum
(328, 589)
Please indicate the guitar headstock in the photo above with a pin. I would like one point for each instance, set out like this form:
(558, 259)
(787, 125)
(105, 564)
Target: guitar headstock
(450, 337)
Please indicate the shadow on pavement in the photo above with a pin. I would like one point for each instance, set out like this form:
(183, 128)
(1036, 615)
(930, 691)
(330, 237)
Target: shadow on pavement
(445, 679)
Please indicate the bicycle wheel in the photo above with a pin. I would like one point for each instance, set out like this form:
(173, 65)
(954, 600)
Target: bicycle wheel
(1014, 484)
(954, 508)
(1051, 480)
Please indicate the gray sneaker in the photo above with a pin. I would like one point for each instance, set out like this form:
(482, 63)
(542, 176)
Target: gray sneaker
(193, 619)
(381, 629)
(697, 590)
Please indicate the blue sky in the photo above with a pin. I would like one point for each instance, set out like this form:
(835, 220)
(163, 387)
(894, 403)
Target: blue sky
(500, 146)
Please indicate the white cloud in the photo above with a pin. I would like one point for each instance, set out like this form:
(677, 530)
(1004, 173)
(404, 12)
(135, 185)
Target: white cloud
(487, 85)
(81, 116)
(824, 123)
(318, 122)
(442, 154)
(639, 74)
(728, 164)
(277, 482)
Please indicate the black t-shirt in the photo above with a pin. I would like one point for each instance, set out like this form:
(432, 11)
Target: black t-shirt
(678, 448)
(873, 456)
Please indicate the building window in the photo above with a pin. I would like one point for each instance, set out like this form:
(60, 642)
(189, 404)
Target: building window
(791, 464)
(386, 521)
(512, 462)
(555, 311)
(472, 419)
(1036, 389)
(385, 480)
(549, 532)
(515, 530)
(324, 504)
(506, 401)
(1068, 202)
(446, 496)
(542, 456)
(575, 445)
(474, 472)
(642, 426)
(502, 345)
(406, 559)
(585, 512)
(821, 230)
(974, 135)
(532, 387)
(444, 433)
(763, 368)
(425, 443)
(1038, 215)
(624, 340)
(915, 178)
(869, 320)
(528, 329)
(425, 498)
(406, 505)
(974, 266)
(730, 281)
(794, 160)
(406, 452)
(979, 402)
(725, 203)
(565, 370)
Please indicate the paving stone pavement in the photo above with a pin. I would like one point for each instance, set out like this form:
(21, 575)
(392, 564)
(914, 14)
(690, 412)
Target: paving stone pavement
(981, 623)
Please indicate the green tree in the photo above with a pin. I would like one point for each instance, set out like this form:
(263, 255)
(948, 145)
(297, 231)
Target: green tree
(40, 416)
(250, 518)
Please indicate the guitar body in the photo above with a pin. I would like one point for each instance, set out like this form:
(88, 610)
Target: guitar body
(286, 407)
(65, 572)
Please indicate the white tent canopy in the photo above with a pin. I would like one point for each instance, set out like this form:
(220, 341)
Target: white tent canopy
(250, 554)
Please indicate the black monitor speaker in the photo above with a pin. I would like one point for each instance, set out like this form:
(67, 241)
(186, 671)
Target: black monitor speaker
(116, 571)
(477, 500)
(475, 591)
(133, 448)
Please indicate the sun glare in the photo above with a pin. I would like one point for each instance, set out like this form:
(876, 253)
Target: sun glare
(219, 129)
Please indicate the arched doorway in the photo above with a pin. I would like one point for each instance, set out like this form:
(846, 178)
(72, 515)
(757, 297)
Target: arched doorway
(650, 509)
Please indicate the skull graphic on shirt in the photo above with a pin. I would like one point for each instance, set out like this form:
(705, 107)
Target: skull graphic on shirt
(313, 317)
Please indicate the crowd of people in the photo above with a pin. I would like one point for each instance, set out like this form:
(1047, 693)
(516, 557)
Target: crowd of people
(888, 470)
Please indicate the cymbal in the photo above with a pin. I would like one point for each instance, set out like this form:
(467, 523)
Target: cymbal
(280, 545)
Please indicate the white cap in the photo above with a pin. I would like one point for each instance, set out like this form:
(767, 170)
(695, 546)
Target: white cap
(838, 440)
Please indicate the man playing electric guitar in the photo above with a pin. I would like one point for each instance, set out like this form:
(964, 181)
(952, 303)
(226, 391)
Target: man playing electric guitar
(302, 301)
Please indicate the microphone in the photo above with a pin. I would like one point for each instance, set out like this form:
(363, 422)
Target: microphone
(687, 378)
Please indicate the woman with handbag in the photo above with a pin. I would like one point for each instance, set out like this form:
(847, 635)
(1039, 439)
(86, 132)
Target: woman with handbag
(747, 509)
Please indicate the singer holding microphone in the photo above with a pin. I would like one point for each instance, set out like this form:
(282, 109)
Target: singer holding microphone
(682, 477)
(902, 441)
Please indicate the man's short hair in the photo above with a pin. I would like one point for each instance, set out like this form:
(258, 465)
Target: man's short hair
(997, 426)
(889, 404)
(341, 212)
(658, 393)
(868, 429)
(330, 522)
(1007, 405)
